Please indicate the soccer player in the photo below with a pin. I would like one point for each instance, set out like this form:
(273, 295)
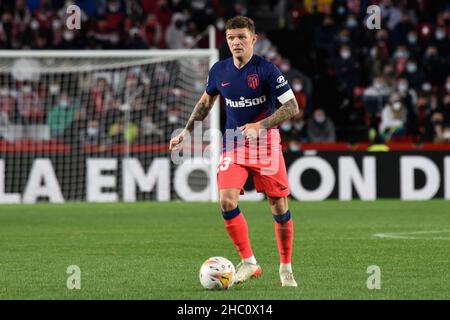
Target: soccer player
(251, 87)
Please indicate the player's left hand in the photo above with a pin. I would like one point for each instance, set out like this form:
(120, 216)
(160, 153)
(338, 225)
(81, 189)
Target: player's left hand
(251, 130)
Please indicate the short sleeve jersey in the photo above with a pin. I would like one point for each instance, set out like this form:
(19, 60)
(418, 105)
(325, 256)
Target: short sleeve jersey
(250, 93)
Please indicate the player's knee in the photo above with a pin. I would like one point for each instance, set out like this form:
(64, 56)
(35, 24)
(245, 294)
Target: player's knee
(278, 205)
(228, 203)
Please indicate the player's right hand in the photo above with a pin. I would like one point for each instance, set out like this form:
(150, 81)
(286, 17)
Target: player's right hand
(175, 142)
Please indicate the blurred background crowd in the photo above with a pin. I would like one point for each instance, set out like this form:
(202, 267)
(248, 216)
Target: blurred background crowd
(352, 83)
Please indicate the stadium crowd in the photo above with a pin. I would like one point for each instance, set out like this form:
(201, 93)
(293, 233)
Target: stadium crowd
(352, 83)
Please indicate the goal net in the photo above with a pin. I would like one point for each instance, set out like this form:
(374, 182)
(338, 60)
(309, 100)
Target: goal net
(95, 126)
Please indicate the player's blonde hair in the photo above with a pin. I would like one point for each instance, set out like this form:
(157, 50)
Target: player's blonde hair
(239, 22)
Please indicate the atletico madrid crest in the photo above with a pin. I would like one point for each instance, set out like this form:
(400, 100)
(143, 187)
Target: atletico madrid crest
(253, 81)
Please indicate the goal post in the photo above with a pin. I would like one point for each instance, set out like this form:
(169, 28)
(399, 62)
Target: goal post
(71, 120)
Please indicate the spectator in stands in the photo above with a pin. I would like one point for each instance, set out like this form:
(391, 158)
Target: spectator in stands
(101, 98)
(404, 26)
(149, 132)
(291, 72)
(114, 14)
(435, 66)
(191, 31)
(164, 15)
(414, 74)
(273, 55)
(131, 85)
(404, 52)
(4, 123)
(374, 98)
(412, 43)
(5, 110)
(425, 129)
(437, 127)
(408, 97)
(20, 25)
(105, 36)
(220, 33)
(263, 44)
(401, 56)
(153, 31)
(29, 104)
(123, 132)
(294, 131)
(174, 120)
(111, 115)
(379, 54)
(342, 38)
(91, 134)
(354, 28)
(441, 40)
(444, 104)
(6, 104)
(393, 119)
(138, 109)
(321, 128)
(175, 33)
(70, 40)
(300, 95)
(61, 116)
(391, 14)
(74, 134)
(52, 95)
(325, 34)
(446, 134)
(44, 15)
(136, 40)
(389, 75)
(236, 9)
(347, 71)
(295, 11)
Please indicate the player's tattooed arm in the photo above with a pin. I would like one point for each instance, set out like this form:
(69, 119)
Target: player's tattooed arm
(285, 112)
(200, 111)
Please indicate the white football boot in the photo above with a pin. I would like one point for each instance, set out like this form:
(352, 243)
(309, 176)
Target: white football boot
(245, 271)
(287, 276)
(287, 279)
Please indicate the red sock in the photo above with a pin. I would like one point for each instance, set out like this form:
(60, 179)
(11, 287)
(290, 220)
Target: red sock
(238, 231)
(285, 236)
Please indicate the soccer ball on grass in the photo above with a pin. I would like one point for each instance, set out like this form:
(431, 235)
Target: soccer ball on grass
(217, 273)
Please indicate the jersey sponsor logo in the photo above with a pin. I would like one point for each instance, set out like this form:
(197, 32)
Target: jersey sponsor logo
(282, 82)
(280, 79)
(245, 102)
(281, 85)
(253, 81)
(224, 84)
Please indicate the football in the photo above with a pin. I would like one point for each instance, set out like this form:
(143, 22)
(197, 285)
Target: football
(217, 273)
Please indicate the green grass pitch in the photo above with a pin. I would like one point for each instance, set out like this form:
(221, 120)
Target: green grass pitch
(151, 250)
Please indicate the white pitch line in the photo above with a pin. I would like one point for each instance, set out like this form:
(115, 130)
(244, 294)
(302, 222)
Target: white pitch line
(407, 235)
